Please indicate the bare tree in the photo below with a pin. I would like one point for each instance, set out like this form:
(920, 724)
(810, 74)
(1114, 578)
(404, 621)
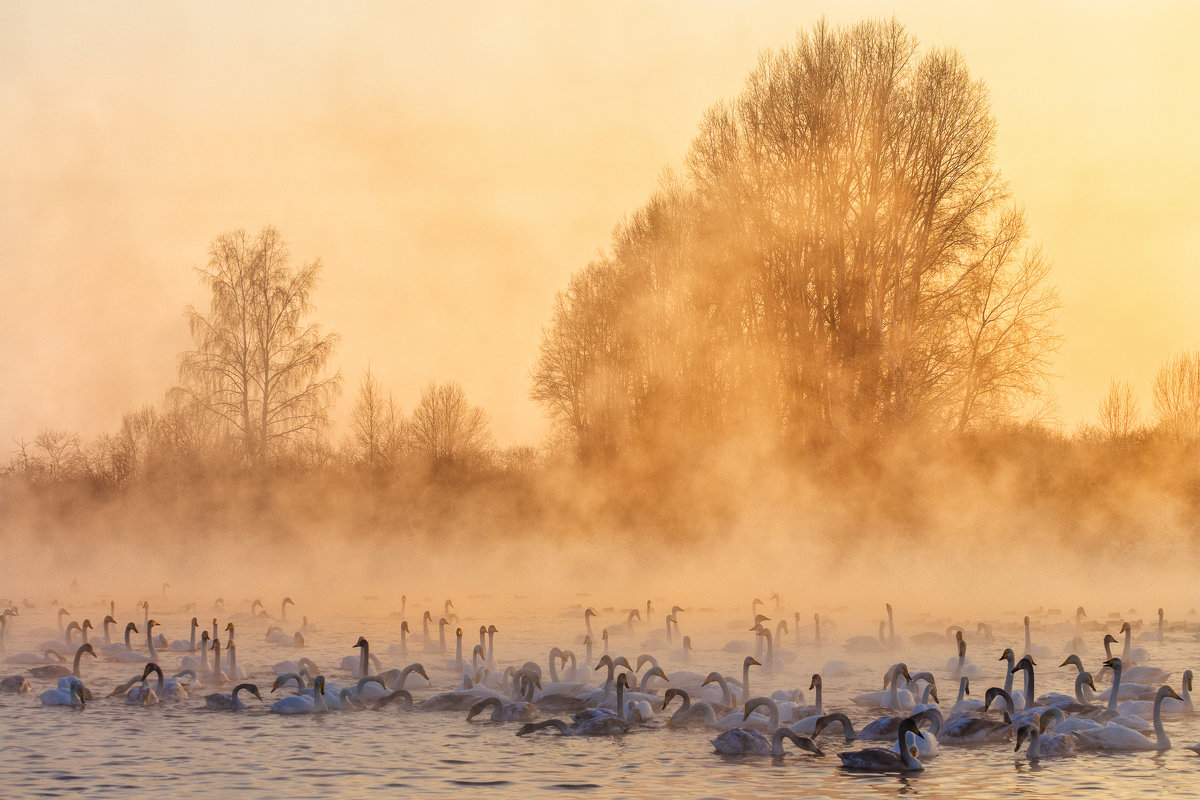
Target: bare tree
(377, 431)
(841, 259)
(1119, 414)
(257, 365)
(1177, 396)
(446, 429)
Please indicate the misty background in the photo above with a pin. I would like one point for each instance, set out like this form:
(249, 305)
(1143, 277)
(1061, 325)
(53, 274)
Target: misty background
(452, 165)
(471, 156)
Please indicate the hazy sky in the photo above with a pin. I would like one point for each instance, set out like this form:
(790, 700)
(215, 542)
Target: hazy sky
(452, 163)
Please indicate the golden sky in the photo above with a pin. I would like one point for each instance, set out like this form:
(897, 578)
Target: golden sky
(452, 163)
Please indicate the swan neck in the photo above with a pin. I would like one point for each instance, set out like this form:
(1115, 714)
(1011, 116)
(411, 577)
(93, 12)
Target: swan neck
(1160, 734)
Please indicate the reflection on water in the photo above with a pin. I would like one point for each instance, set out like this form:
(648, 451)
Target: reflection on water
(113, 750)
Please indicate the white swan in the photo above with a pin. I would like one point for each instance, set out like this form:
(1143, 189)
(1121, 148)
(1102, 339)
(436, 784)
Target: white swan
(186, 645)
(1118, 737)
(72, 695)
(303, 703)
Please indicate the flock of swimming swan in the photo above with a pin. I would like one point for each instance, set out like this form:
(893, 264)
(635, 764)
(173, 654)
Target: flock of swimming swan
(612, 695)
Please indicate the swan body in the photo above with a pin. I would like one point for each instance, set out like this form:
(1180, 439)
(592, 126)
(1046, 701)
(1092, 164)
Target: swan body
(303, 703)
(72, 695)
(1045, 745)
(741, 742)
(877, 759)
(231, 702)
(1118, 737)
(600, 725)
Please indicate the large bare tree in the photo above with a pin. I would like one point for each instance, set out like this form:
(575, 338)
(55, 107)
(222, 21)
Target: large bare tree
(1119, 414)
(840, 259)
(376, 430)
(258, 365)
(1177, 396)
(447, 430)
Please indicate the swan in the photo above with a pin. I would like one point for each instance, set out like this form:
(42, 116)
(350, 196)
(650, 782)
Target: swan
(186, 645)
(397, 677)
(700, 713)
(884, 728)
(234, 672)
(1042, 746)
(758, 722)
(1011, 657)
(1118, 737)
(1145, 708)
(890, 696)
(867, 644)
(1132, 655)
(72, 695)
(303, 703)
(807, 725)
(877, 759)
(961, 665)
(400, 648)
(962, 705)
(284, 667)
(198, 663)
(504, 712)
(15, 684)
(926, 747)
(283, 608)
(170, 690)
(400, 694)
(893, 641)
(1040, 651)
(440, 645)
(973, 729)
(231, 702)
(594, 726)
(118, 650)
(1153, 636)
(741, 742)
(58, 671)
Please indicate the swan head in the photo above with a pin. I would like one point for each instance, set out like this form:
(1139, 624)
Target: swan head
(204, 636)
(87, 623)
(362, 642)
(109, 618)
(1024, 732)
(965, 684)
(1026, 662)
(404, 626)
(589, 612)
(756, 603)
(319, 684)
(287, 600)
(150, 624)
(816, 681)
(1008, 655)
(671, 695)
(86, 648)
(229, 626)
(427, 617)
(687, 643)
(759, 619)
(77, 691)
(1187, 680)
(458, 632)
(751, 661)
(443, 622)
(713, 677)
(909, 725)
(676, 609)
(1079, 612)
(622, 681)
(252, 689)
(1114, 664)
(492, 629)
(1126, 627)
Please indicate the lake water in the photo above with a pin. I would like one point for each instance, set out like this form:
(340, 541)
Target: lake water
(110, 749)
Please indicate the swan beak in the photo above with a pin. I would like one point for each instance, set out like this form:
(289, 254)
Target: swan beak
(1109, 663)
(1173, 694)
(1063, 664)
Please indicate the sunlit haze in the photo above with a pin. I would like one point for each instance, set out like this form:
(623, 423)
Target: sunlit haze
(453, 163)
